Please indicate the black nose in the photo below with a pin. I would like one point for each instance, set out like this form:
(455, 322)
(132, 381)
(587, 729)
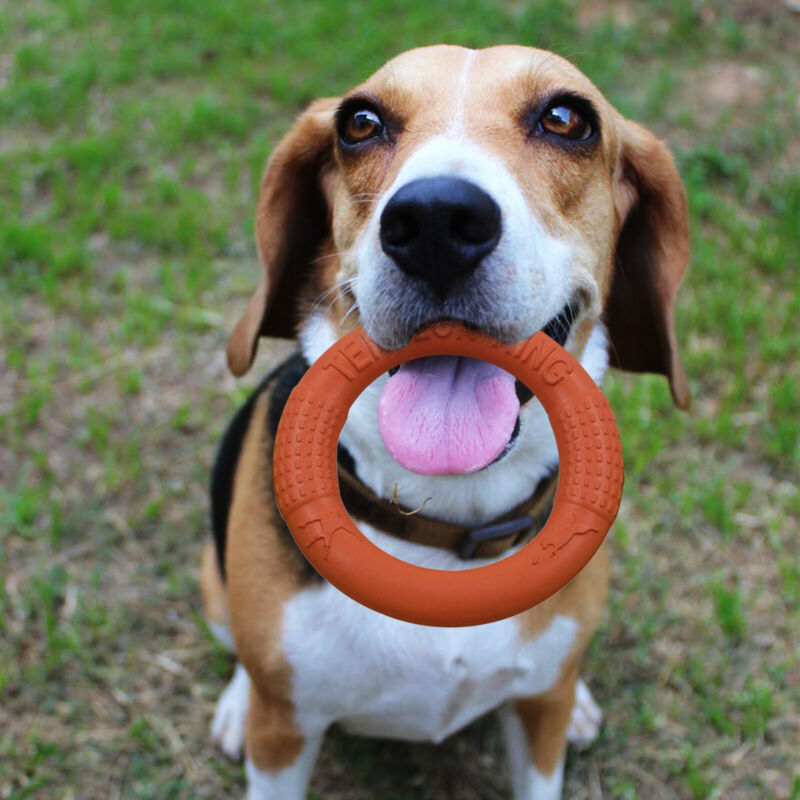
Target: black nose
(439, 229)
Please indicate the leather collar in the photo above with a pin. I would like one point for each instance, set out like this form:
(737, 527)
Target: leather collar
(519, 524)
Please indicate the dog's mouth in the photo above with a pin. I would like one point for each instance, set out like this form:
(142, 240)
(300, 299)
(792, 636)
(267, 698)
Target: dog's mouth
(453, 415)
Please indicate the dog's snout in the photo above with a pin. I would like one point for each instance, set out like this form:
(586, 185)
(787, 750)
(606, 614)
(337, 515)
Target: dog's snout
(439, 229)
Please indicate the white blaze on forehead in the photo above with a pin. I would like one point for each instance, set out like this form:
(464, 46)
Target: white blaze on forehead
(461, 93)
(455, 155)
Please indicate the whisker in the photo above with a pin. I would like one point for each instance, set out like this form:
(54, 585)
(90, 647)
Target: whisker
(328, 255)
(352, 308)
(345, 283)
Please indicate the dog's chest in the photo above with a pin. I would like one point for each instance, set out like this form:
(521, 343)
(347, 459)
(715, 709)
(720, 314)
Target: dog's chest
(382, 677)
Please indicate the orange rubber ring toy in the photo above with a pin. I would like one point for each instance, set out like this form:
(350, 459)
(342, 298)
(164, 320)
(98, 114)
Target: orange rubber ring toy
(585, 505)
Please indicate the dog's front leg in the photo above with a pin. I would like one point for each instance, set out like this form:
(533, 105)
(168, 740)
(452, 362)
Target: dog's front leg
(280, 759)
(535, 732)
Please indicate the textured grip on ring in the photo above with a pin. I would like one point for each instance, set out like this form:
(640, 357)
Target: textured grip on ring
(592, 453)
(302, 459)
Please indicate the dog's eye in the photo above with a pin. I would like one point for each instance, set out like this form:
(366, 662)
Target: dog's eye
(360, 125)
(562, 120)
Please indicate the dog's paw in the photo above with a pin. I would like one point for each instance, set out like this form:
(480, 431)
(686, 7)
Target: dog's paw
(227, 729)
(584, 725)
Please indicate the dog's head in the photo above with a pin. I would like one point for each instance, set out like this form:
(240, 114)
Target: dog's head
(496, 187)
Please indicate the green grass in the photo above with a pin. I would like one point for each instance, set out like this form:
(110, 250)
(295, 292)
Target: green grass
(131, 145)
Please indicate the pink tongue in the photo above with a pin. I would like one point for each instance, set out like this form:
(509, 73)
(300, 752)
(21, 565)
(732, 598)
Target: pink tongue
(447, 414)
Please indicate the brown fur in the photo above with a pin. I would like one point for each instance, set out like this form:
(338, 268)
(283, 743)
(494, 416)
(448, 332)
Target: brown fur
(546, 719)
(262, 574)
(653, 251)
(273, 741)
(215, 600)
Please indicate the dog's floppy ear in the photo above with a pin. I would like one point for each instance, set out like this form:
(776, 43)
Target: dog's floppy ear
(652, 255)
(292, 219)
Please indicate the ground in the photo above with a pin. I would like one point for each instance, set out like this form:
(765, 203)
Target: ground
(131, 144)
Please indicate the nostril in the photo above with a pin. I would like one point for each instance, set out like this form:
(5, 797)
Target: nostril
(472, 227)
(399, 228)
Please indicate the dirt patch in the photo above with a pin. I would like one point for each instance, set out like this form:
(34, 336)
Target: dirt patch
(729, 85)
(596, 12)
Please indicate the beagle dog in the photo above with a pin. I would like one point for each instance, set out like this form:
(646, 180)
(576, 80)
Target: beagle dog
(495, 187)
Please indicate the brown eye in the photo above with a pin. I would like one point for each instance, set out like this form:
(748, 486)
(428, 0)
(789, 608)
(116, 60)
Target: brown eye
(361, 125)
(561, 120)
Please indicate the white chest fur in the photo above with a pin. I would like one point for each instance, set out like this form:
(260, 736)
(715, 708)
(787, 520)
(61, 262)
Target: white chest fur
(382, 677)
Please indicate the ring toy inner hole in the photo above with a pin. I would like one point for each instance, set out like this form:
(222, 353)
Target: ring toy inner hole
(586, 502)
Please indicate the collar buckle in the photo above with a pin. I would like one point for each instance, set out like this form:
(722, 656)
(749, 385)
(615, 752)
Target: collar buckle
(474, 537)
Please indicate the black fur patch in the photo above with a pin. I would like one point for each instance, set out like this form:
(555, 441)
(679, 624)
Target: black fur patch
(287, 376)
(224, 469)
